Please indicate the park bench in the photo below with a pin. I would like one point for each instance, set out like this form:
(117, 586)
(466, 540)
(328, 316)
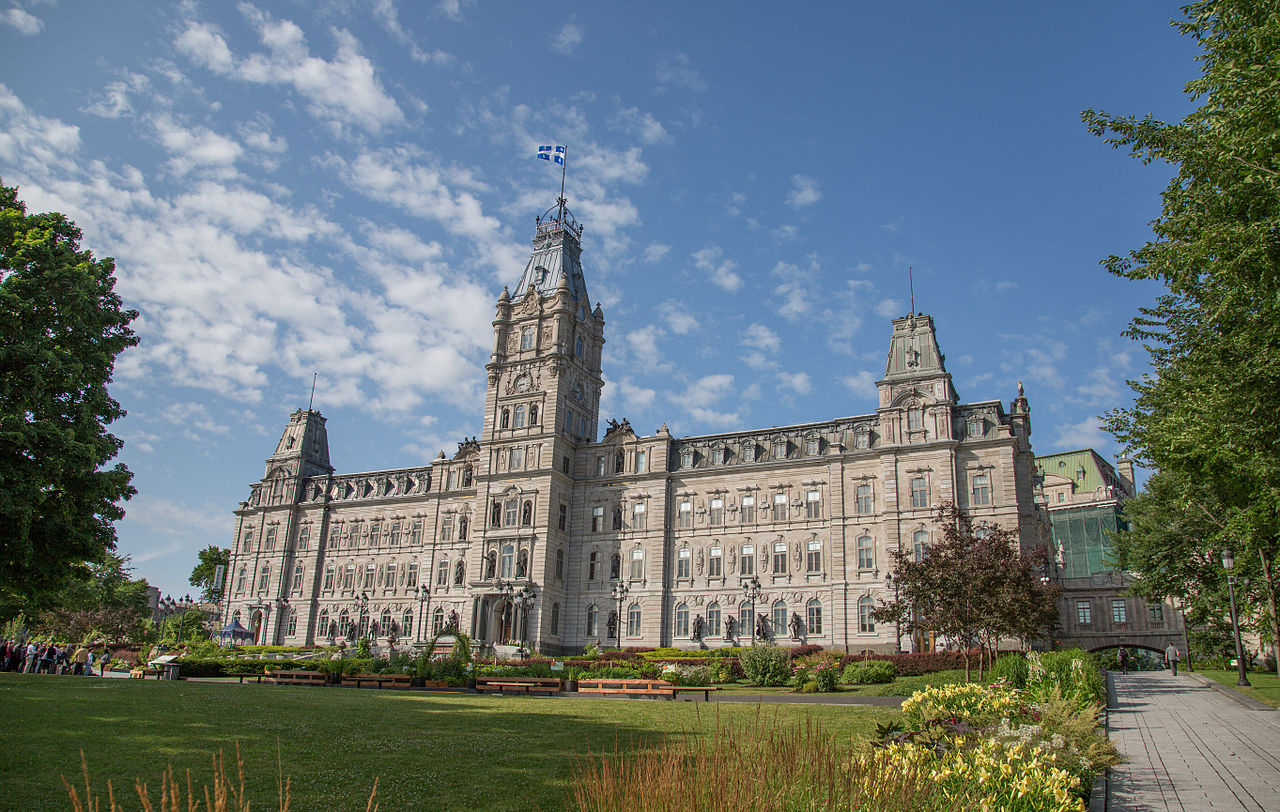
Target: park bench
(143, 673)
(378, 680)
(243, 675)
(642, 687)
(297, 677)
(517, 685)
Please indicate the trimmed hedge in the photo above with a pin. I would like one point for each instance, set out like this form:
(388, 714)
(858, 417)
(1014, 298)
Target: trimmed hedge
(221, 667)
(914, 665)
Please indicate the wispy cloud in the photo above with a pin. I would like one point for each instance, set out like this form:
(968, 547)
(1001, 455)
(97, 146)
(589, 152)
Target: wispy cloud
(567, 38)
(719, 270)
(804, 192)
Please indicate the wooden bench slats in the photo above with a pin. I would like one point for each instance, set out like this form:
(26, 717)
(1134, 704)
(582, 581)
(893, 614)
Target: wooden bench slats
(640, 687)
(518, 685)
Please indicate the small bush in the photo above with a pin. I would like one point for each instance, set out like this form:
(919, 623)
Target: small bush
(698, 675)
(1011, 669)
(766, 665)
(872, 672)
(813, 677)
(914, 665)
(804, 651)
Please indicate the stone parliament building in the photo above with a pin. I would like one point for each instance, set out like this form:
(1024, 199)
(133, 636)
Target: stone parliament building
(540, 531)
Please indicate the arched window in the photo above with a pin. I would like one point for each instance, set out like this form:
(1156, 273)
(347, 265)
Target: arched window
(322, 625)
(385, 621)
(344, 622)
(746, 620)
(593, 621)
(437, 620)
(865, 623)
(442, 573)
(533, 415)
(555, 618)
(779, 617)
(920, 543)
(241, 577)
(682, 621)
(813, 616)
(504, 419)
(578, 347)
(526, 513)
(468, 474)
(518, 418)
(633, 620)
(713, 619)
(459, 573)
(291, 628)
(508, 568)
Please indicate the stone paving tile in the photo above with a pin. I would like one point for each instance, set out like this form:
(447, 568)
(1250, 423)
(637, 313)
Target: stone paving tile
(1189, 748)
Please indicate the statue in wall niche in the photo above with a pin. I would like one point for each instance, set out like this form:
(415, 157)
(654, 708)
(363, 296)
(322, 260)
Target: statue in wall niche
(733, 559)
(490, 565)
(730, 623)
(797, 555)
(796, 625)
(697, 628)
(700, 561)
(454, 620)
(613, 623)
(522, 564)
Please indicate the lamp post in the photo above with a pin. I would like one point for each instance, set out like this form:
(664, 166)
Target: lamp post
(619, 594)
(424, 594)
(751, 591)
(890, 583)
(1228, 564)
(523, 599)
(184, 605)
(504, 590)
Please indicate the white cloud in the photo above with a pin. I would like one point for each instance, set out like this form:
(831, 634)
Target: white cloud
(676, 70)
(635, 397)
(794, 290)
(385, 12)
(701, 397)
(452, 8)
(804, 192)
(27, 24)
(654, 252)
(798, 382)
(861, 384)
(1087, 433)
(1005, 285)
(679, 320)
(889, 308)
(644, 343)
(567, 38)
(641, 125)
(719, 271)
(198, 146)
(115, 102)
(759, 337)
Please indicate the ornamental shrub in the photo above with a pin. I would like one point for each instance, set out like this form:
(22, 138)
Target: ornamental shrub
(871, 672)
(804, 651)
(698, 675)
(766, 665)
(1011, 669)
(979, 705)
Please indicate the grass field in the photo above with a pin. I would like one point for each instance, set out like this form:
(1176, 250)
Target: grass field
(902, 686)
(1266, 687)
(428, 751)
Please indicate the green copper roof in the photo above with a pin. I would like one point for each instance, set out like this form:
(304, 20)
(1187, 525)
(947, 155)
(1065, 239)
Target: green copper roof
(1097, 472)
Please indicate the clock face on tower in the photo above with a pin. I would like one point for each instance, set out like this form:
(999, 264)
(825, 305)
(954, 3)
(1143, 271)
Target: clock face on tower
(523, 382)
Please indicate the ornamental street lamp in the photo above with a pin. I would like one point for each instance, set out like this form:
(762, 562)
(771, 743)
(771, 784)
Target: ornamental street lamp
(184, 605)
(751, 591)
(504, 590)
(1228, 564)
(619, 594)
(424, 594)
(523, 599)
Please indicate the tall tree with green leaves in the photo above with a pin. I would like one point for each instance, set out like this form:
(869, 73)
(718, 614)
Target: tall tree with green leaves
(207, 564)
(1209, 411)
(61, 328)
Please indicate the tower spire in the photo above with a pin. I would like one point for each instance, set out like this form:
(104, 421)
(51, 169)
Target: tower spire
(312, 400)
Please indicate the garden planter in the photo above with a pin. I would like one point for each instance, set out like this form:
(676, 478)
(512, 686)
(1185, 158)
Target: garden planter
(571, 686)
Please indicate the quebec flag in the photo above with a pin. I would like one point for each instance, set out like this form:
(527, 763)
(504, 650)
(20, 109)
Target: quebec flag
(550, 153)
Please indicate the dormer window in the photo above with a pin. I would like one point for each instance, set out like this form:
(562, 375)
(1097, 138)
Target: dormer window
(976, 427)
(780, 450)
(915, 418)
(863, 438)
(812, 446)
(686, 459)
(717, 456)
(749, 452)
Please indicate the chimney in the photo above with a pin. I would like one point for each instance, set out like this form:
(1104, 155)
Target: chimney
(1124, 467)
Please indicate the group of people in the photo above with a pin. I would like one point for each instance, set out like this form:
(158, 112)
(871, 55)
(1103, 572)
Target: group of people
(51, 658)
(1171, 659)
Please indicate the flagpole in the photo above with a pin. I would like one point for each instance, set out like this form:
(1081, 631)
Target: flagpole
(564, 166)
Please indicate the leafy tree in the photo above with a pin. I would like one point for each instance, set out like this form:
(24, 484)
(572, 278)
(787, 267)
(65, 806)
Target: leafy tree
(974, 586)
(1209, 412)
(109, 604)
(61, 328)
(208, 561)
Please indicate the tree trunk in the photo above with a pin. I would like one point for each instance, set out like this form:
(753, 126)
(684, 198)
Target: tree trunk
(1269, 582)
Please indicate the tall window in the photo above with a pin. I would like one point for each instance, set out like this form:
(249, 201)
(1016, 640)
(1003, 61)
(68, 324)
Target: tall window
(328, 578)
(517, 458)
(779, 507)
(526, 338)
(779, 617)
(780, 450)
(517, 417)
(866, 553)
(292, 628)
(600, 463)
(1084, 613)
(442, 573)
(297, 579)
(684, 563)
(385, 622)
(369, 570)
(437, 620)
(915, 419)
(864, 499)
(749, 452)
(633, 620)
(593, 565)
(568, 422)
(812, 446)
(976, 427)
(717, 456)
(685, 514)
(555, 618)
(642, 461)
(779, 557)
(504, 421)
(406, 623)
(395, 533)
(564, 517)
(748, 512)
(919, 492)
(512, 511)
(862, 439)
(390, 580)
(593, 621)
(597, 519)
(578, 347)
(637, 565)
(713, 619)
(264, 578)
(322, 624)
(715, 563)
(304, 539)
(717, 510)
(446, 528)
(686, 459)
(920, 544)
(746, 620)
(813, 556)
(349, 578)
(813, 616)
(637, 516)
(1155, 614)
(813, 505)
(682, 620)
(865, 624)
(559, 565)
(1119, 612)
(747, 559)
(269, 543)
(981, 490)
(411, 575)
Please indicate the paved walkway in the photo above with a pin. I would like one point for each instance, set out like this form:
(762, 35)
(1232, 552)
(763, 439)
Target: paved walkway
(1188, 747)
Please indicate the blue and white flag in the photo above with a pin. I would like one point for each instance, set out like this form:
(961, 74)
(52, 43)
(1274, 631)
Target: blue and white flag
(550, 153)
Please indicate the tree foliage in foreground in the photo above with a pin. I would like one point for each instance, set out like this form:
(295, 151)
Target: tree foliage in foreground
(206, 567)
(974, 586)
(110, 605)
(1209, 412)
(61, 328)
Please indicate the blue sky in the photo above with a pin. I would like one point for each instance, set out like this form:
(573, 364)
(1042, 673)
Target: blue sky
(344, 188)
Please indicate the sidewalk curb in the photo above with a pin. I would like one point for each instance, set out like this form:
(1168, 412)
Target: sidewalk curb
(1248, 701)
(1099, 796)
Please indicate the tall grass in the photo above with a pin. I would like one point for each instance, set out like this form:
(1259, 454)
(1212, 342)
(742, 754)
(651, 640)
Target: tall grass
(225, 794)
(750, 767)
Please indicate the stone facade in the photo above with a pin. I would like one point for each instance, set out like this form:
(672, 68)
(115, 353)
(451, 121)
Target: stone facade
(1084, 495)
(532, 530)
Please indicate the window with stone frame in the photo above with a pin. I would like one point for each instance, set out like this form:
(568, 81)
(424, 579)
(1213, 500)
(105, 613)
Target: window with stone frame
(866, 553)
(642, 461)
(390, 580)
(406, 623)
(779, 618)
(593, 621)
(813, 556)
(526, 338)
(369, 570)
(1084, 613)
(437, 620)
(780, 449)
(813, 504)
(684, 514)
(747, 560)
(863, 500)
(633, 620)
(504, 422)
(597, 519)
(468, 476)
(686, 459)
(813, 616)
(715, 563)
(981, 490)
(511, 512)
(264, 578)
(779, 507)
(975, 428)
(291, 628)
(749, 452)
(1119, 611)
(241, 578)
(713, 620)
(637, 565)
(638, 516)
(349, 578)
(446, 527)
(779, 557)
(747, 509)
(862, 438)
(600, 463)
(322, 624)
(812, 445)
(1155, 614)
(517, 417)
(717, 456)
(328, 578)
(442, 572)
(516, 458)
(746, 620)
(866, 624)
(559, 565)
(411, 575)
(564, 517)
(915, 418)
(304, 539)
(681, 628)
(375, 534)
(269, 542)
(920, 544)
(715, 514)
(593, 564)
(568, 423)
(684, 563)
(296, 587)
(507, 565)
(919, 492)
(395, 534)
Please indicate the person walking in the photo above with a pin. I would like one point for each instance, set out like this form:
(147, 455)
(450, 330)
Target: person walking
(1123, 656)
(1171, 656)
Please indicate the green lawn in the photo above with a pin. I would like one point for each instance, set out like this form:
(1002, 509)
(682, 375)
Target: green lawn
(429, 751)
(1266, 687)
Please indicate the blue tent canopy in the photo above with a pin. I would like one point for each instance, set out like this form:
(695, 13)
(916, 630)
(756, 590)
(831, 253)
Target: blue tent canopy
(234, 630)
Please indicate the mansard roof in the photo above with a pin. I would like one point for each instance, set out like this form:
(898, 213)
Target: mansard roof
(556, 257)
